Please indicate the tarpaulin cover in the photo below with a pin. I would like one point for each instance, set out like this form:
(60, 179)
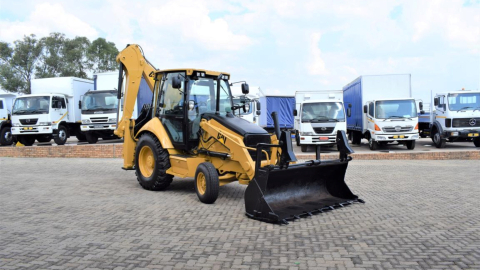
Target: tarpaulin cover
(284, 107)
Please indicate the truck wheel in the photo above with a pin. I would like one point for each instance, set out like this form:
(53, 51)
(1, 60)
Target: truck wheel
(304, 148)
(437, 140)
(61, 138)
(27, 140)
(6, 136)
(297, 138)
(91, 138)
(356, 137)
(372, 144)
(410, 144)
(81, 137)
(206, 182)
(476, 142)
(44, 138)
(152, 163)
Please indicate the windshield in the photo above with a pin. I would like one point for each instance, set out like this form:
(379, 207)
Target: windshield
(31, 105)
(202, 93)
(388, 109)
(467, 101)
(239, 101)
(323, 112)
(95, 101)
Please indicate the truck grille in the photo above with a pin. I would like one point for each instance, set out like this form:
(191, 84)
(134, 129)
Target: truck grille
(466, 122)
(31, 121)
(398, 129)
(99, 119)
(323, 130)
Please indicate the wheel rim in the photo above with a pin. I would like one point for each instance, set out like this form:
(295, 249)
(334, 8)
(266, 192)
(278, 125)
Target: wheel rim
(62, 134)
(146, 161)
(370, 142)
(201, 183)
(8, 136)
(436, 138)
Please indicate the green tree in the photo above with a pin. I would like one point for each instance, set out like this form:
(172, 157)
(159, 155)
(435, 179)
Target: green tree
(51, 62)
(18, 64)
(75, 57)
(101, 55)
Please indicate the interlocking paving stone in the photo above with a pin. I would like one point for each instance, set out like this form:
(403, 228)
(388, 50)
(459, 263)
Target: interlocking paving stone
(90, 214)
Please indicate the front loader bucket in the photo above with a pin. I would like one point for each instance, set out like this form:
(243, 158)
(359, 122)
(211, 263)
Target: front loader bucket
(277, 195)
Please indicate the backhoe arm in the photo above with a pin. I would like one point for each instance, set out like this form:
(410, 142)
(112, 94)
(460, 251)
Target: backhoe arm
(135, 66)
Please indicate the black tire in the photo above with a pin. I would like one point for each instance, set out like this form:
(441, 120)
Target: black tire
(27, 140)
(356, 137)
(44, 138)
(410, 144)
(153, 176)
(91, 138)
(476, 141)
(304, 148)
(206, 183)
(297, 138)
(372, 144)
(62, 135)
(81, 137)
(6, 136)
(437, 139)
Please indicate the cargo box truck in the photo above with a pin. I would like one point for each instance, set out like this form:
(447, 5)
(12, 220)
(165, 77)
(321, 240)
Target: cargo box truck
(283, 105)
(318, 116)
(380, 108)
(50, 111)
(455, 117)
(6, 103)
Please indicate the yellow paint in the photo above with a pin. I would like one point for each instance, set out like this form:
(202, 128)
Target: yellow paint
(440, 117)
(155, 126)
(58, 121)
(19, 144)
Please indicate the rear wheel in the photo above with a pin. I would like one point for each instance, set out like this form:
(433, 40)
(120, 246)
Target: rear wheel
(372, 144)
(6, 136)
(437, 139)
(81, 137)
(297, 138)
(476, 142)
(304, 148)
(206, 182)
(27, 140)
(44, 138)
(62, 136)
(152, 163)
(356, 137)
(91, 138)
(410, 144)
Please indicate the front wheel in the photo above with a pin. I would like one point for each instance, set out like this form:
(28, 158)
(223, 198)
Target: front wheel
(152, 163)
(437, 140)
(206, 182)
(6, 136)
(410, 144)
(476, 142)
(372, 144)
(62, 136)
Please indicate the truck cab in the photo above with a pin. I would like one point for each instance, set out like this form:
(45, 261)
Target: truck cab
(99, 114)
(390, 120)
(5, 124)
(455, 117)
(317, 122)
(252, 108)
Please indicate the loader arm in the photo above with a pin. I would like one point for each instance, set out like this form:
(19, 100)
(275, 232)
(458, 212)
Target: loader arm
(135, 66)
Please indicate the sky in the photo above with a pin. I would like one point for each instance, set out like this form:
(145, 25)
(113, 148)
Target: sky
(282, 46)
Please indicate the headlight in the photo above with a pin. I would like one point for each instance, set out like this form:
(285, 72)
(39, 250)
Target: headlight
(44, 123)
(306, 133)
(112, 120)
(381, 138)
(85, 121)
(15, 124)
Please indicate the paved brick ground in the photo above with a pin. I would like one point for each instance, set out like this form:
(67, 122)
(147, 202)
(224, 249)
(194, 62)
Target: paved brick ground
(89, 214)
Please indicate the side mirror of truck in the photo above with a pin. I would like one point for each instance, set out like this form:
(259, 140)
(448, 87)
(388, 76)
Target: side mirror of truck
(435, 101)
(245, 89)
(176, 83)
(349, 112)
(258, 105)
(80, 104)
(258, 112)
(365, 108)
(295, 112)
(420, 105)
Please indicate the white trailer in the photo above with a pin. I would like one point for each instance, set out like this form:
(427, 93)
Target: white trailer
(50, 111)
(381, 109)
(318, 116)
(6, 103)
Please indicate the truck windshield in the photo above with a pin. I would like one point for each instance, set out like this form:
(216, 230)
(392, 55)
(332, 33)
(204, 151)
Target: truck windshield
(239, 101)
(203, 95)
(100, 101)
(31, 105)
(467, 101)
(323, 112)
(389, 109)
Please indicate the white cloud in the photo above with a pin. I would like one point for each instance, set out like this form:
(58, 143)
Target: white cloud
(317, 64)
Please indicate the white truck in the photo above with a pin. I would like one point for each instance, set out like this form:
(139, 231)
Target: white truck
(251, 100)
(50, 111)
(381, 109)
(6, 103)
(455, 117)
(318, 117)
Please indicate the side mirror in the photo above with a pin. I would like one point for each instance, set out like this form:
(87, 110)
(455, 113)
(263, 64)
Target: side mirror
(258, 112)
(349, 112)
(422, 112)
(295, 112)
(349, 105)
(245, 89)
(80, 104)
(258, 105)
(435, 101)
(365, 108)
(420, 105)
(176, 82)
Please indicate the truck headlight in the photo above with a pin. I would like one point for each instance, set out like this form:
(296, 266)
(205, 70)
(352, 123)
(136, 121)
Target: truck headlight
(306, 133)
(112, 120)
(85, 121)
(381, 138)
(415, 137)
(454, 133)
(44, 123)
(15, 124)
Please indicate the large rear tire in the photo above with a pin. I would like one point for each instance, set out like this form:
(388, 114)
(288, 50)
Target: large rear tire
(44, 138)
(410, 144)
(476, 142)
(356, 137)
(91, 138)
(6, 136)
(437, 139)
(62, 135)
(207, 183)
(152, 163)
(304, 148)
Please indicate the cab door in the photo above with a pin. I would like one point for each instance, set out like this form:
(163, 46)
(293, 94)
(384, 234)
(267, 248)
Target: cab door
(371, 116)
(441, 110)
(59, 109)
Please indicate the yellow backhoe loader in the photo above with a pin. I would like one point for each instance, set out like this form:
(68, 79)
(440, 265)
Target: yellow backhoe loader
(189, 130)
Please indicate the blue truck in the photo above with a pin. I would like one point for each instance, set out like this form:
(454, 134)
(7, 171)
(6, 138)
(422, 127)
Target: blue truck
(283, 105)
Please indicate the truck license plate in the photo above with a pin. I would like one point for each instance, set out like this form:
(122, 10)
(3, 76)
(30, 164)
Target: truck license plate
(98, 126)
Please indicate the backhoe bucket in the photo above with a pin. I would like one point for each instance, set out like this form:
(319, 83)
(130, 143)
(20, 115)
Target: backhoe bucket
(276, 195)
